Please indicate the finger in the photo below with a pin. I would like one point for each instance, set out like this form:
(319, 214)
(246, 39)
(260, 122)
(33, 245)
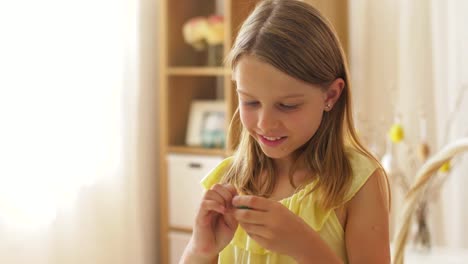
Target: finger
(257, 230)
(231, 188)
(211, 205)
(224, 192)
(251, 216)
(208, 210)
(215, 196)
(230, 221)
(251, 202)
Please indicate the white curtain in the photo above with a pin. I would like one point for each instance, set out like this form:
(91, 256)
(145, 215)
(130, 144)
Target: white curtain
(407, 61)
(70, 180)
(450, 55)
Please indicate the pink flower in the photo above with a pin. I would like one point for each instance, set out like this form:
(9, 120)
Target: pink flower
(201, 31)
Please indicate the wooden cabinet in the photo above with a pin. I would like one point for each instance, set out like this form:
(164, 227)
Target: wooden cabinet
(185, 192)
(185, 77)
(177, 243)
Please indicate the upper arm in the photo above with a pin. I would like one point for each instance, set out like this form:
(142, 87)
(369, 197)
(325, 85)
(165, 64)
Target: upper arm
(367, 227)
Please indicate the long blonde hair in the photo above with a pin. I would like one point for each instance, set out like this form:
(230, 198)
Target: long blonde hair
(295, 38)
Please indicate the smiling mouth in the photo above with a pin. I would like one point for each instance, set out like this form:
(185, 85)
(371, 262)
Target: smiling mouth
(272, 141)
(272, 138)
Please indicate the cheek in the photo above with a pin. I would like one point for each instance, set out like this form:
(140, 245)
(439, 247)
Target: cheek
(247, 118)
(306, 122)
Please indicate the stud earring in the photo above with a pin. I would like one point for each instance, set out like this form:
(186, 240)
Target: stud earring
(328, 106)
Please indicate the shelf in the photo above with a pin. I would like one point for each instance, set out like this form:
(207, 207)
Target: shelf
(204, 71)
(181, 229)
(196, 150)
(186, 77)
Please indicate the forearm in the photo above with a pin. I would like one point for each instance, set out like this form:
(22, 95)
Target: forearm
(313, 249)
(190, 256)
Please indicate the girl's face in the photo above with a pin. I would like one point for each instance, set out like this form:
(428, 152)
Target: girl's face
(282, 113)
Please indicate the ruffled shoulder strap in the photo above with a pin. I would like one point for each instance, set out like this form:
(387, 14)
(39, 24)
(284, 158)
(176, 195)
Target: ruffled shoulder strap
(215, 175)
(363, 167)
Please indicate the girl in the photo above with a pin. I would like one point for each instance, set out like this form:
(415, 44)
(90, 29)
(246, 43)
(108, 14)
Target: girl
(300, 187)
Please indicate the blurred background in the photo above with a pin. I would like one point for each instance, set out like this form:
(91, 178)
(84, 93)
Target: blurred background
(95, 106)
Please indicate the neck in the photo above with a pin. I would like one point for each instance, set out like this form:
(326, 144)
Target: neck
(283, 167)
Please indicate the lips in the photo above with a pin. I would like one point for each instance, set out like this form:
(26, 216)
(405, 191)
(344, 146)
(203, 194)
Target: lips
(272, 138)
(272, 141)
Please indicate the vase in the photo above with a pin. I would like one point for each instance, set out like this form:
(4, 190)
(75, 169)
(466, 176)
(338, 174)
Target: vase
(422, 235)
(215, 55)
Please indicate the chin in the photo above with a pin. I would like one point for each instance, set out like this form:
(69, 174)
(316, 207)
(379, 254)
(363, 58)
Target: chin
(276, 154)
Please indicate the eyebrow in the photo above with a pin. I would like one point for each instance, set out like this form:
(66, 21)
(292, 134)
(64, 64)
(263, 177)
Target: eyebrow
(286, 96)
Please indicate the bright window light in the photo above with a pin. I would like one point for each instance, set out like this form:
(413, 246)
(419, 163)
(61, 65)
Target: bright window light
(61, 87)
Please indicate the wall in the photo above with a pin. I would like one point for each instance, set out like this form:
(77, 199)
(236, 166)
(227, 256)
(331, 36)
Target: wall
(147, 160)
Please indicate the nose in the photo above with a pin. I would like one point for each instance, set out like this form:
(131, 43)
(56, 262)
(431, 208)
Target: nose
(267, 120)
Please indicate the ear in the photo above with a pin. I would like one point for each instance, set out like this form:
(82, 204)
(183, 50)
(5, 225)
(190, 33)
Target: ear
(333, 93)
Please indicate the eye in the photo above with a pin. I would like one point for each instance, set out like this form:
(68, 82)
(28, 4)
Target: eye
(288, 106)
(250, 103)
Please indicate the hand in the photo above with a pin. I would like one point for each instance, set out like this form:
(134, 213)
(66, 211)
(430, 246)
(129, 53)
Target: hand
(272, 225)
(215, 224)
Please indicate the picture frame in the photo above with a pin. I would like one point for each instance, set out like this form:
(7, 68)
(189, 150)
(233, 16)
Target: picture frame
(206, 124)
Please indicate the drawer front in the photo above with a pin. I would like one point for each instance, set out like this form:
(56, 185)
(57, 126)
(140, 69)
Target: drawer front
(177, 243)
(185, 192)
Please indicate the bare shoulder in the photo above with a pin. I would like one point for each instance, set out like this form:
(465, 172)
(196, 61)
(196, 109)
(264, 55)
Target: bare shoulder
(367, 227)
(374, 191)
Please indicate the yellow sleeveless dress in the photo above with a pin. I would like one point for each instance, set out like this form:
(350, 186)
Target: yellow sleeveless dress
(244, 250)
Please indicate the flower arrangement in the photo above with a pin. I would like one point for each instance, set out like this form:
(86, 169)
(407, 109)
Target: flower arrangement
(412, 202)
(202, 32)
(401, 174)
(415, 158)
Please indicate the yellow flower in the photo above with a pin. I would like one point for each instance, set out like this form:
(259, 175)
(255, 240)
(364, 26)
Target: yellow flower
(396, 133)
(215, 31)
(445, 167)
